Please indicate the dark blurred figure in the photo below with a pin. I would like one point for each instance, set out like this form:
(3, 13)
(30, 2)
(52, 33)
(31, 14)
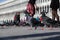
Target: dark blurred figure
(17, 18)
(54, 5)
(44, 13)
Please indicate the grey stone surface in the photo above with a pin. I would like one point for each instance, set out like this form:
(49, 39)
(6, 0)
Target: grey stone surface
(28, 33)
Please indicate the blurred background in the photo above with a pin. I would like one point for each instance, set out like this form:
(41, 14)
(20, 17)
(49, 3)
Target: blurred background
(8, 9)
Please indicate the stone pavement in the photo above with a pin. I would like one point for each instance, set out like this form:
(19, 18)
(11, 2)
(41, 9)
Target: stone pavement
(28, 33)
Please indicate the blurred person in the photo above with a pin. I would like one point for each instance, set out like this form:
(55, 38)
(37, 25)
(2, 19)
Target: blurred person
(54, 6)
(44, 13)
(30, 11)
(17, 18)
